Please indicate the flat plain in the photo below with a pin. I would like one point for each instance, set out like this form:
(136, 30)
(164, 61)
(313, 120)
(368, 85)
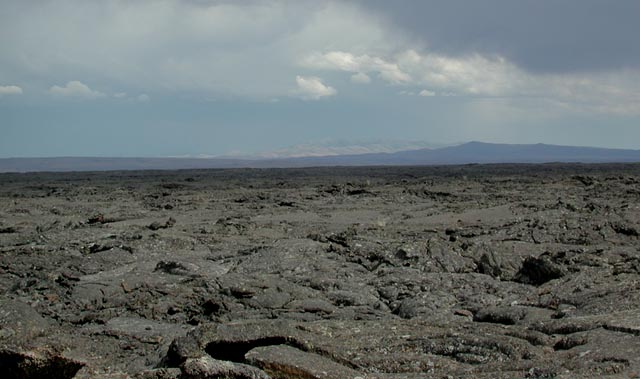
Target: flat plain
(478, 271)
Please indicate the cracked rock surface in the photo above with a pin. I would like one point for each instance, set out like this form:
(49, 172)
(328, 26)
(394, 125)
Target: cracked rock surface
(478, 271)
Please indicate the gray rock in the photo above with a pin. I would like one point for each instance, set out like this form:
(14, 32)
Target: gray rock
(209, 368)
(20, 322)
(148, 331)
(160, 373)
(286, 361)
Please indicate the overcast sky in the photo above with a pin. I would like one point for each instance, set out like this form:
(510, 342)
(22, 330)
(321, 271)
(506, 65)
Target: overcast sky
(172, 78)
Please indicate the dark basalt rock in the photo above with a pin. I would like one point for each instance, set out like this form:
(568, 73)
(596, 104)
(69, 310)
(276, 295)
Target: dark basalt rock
(570, 342)
(500, 315)
(538, 270)
(36, 364)
(487, 264)
(171, 267)
(499, 271)
(8, 230)
(625, 229)
(407, 309)
(162, 225)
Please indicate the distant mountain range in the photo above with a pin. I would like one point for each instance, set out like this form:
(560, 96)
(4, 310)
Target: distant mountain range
(471, 152)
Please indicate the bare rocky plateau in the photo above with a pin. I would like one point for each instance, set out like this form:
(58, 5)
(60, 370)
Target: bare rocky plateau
(476, 271)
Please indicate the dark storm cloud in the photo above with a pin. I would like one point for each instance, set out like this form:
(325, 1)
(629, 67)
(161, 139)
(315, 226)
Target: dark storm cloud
(538, 35)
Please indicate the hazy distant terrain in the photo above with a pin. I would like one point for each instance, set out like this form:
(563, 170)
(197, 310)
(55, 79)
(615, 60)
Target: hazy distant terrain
(472, 152)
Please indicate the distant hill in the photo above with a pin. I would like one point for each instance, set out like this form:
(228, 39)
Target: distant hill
(472, 152)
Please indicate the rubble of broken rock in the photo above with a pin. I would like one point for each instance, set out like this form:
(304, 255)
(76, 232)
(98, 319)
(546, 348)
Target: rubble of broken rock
(498, 271)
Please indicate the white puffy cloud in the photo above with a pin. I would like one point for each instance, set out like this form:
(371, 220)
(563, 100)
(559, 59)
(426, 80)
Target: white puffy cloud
(471, 75)
(10, 90)
(143, 98)
(75, 88)
(360, 78)
(481, 76)
(344, 61)
(120, 95)
(312, 88)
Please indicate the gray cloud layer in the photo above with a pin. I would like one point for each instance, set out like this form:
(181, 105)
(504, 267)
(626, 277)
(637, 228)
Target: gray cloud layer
(575, 52)
(538, 35)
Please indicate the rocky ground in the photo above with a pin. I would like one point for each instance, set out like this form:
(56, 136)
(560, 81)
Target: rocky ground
(433, 272)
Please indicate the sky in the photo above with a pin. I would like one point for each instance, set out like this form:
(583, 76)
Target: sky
(207, 78)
